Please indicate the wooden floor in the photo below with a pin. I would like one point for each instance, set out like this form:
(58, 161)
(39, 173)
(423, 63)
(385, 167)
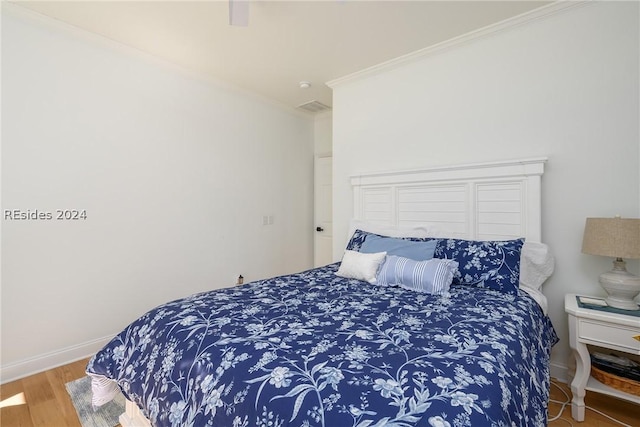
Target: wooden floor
(48, 404)
(621, 410)
(47, 401)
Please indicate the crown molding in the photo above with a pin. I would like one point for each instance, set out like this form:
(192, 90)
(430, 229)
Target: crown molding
(11, 8)
(481, 33)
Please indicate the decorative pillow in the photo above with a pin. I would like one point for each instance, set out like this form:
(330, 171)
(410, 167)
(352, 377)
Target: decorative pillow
(419, 251)
(356, 265)
(359, 236)
(432, 276)
(488, 264)
(419, 230)
(357, 239)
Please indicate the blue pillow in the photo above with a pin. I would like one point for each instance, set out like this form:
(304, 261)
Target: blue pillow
(433, 276)
(487, 264)
(359, 237)
(416, 250)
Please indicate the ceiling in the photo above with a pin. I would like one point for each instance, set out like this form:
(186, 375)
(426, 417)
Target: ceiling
(286, 41)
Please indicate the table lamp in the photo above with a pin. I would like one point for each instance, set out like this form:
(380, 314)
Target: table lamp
(616, 238)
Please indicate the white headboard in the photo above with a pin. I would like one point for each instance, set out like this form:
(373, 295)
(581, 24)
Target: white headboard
(484, 201)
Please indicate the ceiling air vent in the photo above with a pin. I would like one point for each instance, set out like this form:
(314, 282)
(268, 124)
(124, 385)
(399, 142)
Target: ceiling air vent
(314, 107)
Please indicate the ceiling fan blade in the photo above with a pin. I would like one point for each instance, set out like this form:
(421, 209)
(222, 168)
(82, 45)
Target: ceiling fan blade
(239, 13)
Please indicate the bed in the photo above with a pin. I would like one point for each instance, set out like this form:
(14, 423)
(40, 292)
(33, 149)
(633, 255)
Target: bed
(461, 340)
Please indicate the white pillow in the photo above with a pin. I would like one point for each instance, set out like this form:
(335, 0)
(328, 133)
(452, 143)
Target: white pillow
(361, 266)
(536, 264)
(422, 230)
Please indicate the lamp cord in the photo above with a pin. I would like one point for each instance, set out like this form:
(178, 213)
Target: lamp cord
(568, 401)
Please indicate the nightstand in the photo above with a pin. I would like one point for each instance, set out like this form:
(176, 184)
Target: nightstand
(619, 332)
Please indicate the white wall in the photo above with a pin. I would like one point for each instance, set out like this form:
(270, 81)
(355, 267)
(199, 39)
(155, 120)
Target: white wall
(563, 87)
(175, 174)
(323, 134)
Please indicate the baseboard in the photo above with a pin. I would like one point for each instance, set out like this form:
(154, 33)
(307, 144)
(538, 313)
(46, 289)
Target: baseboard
(44, 362)
(559, 372)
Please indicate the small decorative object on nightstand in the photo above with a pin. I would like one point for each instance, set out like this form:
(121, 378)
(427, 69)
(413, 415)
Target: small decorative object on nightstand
(616, 238)
(604, 327)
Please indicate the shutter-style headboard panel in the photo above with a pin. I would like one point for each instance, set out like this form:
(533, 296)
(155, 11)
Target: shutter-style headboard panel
(485, 201)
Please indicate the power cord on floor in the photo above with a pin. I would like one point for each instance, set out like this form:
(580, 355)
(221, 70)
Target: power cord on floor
(567, 402)
(563, 405)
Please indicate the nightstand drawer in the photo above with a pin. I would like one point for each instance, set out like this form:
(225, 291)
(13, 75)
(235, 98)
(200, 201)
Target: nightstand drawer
(625, 339)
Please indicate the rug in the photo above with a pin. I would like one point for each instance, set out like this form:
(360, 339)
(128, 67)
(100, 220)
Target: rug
(104, 416)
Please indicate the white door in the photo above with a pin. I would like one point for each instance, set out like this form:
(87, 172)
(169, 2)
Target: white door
(323, 211)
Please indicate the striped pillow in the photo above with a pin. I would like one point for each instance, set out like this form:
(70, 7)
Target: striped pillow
(432, 276)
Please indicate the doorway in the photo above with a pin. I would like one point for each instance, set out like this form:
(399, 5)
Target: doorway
(323, 211)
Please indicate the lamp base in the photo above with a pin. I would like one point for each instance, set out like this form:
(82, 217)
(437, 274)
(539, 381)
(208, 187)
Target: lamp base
(621, 286)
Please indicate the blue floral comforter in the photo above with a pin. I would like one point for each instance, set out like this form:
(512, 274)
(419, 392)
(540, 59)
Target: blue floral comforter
(314, 349)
